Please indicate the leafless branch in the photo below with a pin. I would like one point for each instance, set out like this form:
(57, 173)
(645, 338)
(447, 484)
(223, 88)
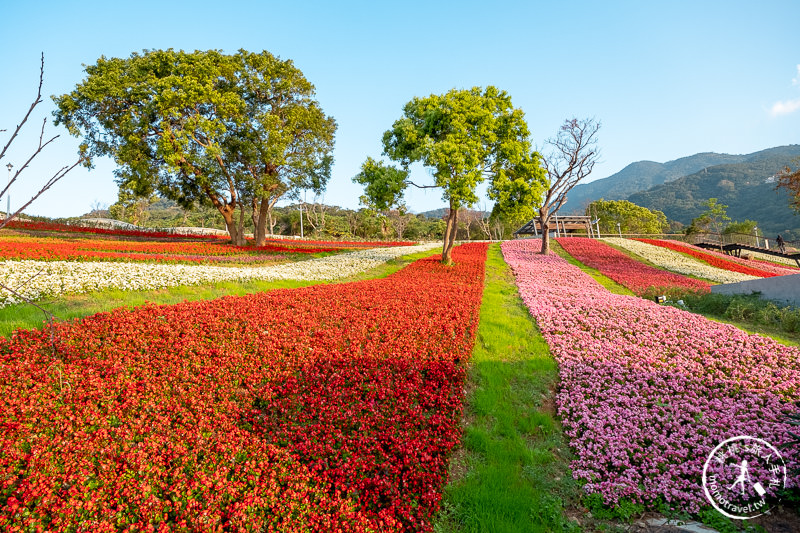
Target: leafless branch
(40, 147)
(37, 101)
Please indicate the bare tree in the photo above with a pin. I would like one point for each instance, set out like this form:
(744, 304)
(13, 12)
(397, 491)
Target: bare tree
(572, 157)
(400, 220)
(60, 173)
(56, 367)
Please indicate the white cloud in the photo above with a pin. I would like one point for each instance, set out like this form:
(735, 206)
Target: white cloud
(785, 107)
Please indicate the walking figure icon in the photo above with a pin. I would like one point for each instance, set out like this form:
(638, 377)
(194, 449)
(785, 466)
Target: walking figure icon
(744, 475)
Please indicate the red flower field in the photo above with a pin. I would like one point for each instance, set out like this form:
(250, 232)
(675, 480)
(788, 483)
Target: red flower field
(327, 408)
(640, 278)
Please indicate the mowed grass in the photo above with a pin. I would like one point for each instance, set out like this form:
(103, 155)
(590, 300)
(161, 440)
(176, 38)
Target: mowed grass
(66, 307)
(511, 472)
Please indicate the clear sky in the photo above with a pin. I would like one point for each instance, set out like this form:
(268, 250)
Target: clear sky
(666, 79)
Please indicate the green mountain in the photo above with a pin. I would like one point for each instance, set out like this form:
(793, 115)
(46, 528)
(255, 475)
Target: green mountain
(746, 187)
(641, 176)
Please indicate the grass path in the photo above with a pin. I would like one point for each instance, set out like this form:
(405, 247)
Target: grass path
(511, 473)
(67, 307)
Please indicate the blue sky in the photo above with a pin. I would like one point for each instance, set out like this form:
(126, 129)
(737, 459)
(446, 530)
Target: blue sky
(666, 79)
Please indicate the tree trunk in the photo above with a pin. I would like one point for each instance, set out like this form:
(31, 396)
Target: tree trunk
(271, 221)
(240, 240)
(450, 235)
(544, 223)
(227, 213)
(260, 220)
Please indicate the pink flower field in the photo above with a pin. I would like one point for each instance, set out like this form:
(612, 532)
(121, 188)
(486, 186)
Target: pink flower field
(647, 391)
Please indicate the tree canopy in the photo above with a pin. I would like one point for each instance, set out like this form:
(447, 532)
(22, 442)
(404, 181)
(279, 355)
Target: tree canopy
(630, 217)
(463, 136)
(204, 127)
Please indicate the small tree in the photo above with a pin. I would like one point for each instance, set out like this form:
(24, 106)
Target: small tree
(52, 180)
(463, 136)
(712, 220)
(572, 157)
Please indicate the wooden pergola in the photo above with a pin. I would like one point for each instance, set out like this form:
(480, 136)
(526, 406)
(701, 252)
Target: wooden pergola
(561, 225)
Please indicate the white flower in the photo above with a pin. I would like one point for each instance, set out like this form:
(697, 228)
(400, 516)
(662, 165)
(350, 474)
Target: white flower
(38, 279)
(678, 262)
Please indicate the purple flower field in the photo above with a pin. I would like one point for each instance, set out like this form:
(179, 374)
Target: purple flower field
(647, 391)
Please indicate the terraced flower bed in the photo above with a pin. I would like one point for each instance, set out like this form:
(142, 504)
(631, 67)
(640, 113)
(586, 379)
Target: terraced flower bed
(648, 391)
(39, 279)
(640, 278)
(328, 408)
(678, 262)
(711, 259)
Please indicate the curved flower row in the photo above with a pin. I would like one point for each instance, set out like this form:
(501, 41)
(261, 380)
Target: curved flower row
(713, 260)
(38, 279)
(647, 391)
(638, 277)
(80, 249)
(774, 259)
(677, 262)
(754, 263)
(160, 234)
(329, 408)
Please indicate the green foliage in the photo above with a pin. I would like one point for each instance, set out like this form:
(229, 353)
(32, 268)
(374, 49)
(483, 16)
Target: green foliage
(748, 227)
(203, 127)
(711, 220)
(752, 197)
(625, 509)
(747, 310)
(631, 217)
(517, 192)
(461, 136)
(383, 185)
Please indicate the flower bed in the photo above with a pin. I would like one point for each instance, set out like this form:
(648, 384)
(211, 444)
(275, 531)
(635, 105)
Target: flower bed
(766, 266)
(39, 279)
(640, 278)
(161, 234)
(172, 250)
(713, 260)
(677, 262)
(647, 391)
(329, 408)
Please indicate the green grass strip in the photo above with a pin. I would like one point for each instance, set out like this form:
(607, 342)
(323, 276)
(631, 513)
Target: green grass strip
(598, 276)
(511, 472)
(72, 306)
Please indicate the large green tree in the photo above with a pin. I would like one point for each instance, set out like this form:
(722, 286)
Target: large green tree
(463, 136)
(204, 127)
(630, 217)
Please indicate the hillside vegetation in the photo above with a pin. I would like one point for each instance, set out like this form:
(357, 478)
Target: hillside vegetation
(641, 176)
(747, 188)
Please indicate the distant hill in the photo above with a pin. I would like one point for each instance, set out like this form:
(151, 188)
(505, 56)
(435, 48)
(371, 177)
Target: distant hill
(442, 213)
(641, 176)
(435, 213)
(746, 187)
